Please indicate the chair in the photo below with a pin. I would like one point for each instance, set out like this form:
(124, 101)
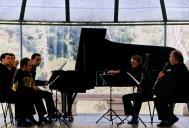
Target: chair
(144, 99)
(151, 111)
(7, 109)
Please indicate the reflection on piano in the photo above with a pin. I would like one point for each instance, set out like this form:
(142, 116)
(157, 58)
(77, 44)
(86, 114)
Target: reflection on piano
(95, 54)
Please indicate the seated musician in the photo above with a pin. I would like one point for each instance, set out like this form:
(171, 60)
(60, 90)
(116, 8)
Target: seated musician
(169, 89)
(47, 96)
(6, 74)
(26, 91)
(143, 91)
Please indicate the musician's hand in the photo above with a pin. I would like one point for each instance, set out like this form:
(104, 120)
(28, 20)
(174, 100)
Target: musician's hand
(35, 88)
(161, 74)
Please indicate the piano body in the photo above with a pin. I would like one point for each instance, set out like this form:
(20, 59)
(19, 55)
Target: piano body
(95, 54)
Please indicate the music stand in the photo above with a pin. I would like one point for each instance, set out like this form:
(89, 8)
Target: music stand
(105, 78)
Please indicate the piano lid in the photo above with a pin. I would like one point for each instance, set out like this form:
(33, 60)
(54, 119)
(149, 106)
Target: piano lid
(95, 53)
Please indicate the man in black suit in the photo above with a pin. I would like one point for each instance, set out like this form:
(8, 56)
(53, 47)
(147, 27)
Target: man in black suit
(7, 73)
(169, 88)
(144, 90)
(27, 95)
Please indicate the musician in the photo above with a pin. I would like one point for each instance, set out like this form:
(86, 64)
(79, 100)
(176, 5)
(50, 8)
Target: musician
(26, 91)
(143, 90)
(51, 109)
(169, 88)
(14, 62)
(6, 74)
(6, 79)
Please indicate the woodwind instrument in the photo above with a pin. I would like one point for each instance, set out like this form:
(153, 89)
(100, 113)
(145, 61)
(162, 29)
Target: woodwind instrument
(165, 69)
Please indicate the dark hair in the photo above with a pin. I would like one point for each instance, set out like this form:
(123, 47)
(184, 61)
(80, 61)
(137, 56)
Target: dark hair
(4, 55)
(11, 54)
(34, 55)
(24, 61)
(138, 58)
(178, 56)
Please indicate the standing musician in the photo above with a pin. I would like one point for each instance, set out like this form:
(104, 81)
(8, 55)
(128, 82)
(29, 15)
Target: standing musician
(169, 89)
(143, 90)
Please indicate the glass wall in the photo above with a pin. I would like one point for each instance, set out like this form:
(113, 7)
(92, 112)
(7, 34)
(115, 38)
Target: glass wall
(146, 35)
(59, 45)
(178, 38)
(10, 39)
(56, 44)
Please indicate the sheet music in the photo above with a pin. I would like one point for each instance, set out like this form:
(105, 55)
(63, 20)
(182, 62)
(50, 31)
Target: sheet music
(54, 80)
(63, 65)
(138, 83)
(61, 68)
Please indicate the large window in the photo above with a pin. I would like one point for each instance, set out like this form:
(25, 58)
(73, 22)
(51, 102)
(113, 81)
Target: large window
(146, 35)
(59, 44)
(10, 39)
(178, 38)
(56, 44)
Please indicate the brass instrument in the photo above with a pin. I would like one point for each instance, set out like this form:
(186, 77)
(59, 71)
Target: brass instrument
(14, 84)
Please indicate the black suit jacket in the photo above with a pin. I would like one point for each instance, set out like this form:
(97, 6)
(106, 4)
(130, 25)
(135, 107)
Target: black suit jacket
(6, 80)
(175, 83)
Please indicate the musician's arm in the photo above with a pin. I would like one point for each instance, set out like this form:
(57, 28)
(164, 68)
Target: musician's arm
(41, 83)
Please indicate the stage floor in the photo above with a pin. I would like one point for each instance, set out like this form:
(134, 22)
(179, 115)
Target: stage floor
(89, 121)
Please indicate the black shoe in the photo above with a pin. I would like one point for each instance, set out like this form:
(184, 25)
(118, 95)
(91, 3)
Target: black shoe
(133, 121)
(70, 118)
(163, 124)
(23, 123)
(32, 120)
(43, 120)
(54, 116)
(173, 120)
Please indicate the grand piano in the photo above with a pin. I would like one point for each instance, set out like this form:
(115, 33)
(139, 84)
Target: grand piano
(95, 54)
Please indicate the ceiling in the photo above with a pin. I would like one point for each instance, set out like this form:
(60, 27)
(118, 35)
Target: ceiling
(94, 11)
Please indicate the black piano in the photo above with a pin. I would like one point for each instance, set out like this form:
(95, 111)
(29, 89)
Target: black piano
(95, 54)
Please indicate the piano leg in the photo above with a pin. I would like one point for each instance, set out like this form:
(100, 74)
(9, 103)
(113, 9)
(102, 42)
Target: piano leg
(63, 97)
(70, 99)
(61, 116)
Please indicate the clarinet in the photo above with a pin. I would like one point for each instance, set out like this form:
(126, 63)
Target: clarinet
(165, 69)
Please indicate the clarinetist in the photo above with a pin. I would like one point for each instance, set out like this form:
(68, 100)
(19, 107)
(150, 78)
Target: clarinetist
(169, 89)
